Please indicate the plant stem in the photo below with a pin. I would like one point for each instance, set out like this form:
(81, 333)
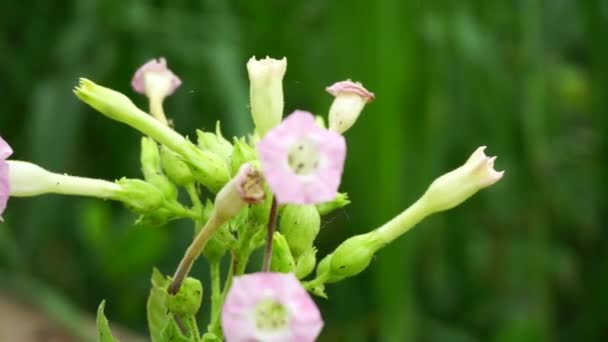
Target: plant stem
(272, 222)
(193, 251)
(214, 325)
(216, 292)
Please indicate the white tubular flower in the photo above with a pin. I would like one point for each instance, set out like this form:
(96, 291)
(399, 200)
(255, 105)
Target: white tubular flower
(266, 91)
(456, 186)
(27, 179)
(350, 98)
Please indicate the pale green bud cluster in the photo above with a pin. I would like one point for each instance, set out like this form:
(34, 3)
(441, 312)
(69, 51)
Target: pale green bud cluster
(215, 143)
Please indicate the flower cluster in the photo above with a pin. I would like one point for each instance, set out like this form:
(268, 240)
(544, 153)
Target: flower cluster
(269, 189)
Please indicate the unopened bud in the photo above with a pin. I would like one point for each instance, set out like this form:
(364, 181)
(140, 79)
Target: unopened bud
(266, 92)
(242, 153)
(215, 143)
(208, 168)
(300, 224)
(306, 263)
(281, 260)
(151, 168)
(350, 98)
(175, 167)
(187, 301)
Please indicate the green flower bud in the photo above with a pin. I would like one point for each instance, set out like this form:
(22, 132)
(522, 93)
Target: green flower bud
(241, 154)
(151, 168)
(215, 143)
(354, 254)
(139, 196)
(208, 168)
(306, 263)
(300, 224)
(156, 218)
(175, 167)
(282, 260)
(340, 201)
(214, 249)
(187, 300)
(150, 157)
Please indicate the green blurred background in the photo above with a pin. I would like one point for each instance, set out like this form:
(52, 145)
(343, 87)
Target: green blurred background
(526, 260)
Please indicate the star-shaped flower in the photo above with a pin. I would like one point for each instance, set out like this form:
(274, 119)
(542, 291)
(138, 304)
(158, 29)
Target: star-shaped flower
(302, 162)
(270, 307)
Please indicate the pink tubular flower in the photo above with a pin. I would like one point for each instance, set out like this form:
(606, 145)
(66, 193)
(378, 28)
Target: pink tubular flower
(155, 79)
(5, 152)
(301, 161)
(270, 307)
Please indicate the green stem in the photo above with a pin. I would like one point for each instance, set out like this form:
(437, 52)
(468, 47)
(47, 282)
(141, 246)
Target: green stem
(196, 201)
(214, 325)
(216, 292)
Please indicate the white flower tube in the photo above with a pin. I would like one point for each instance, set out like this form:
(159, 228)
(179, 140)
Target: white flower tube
(27, 179)
(266, 91)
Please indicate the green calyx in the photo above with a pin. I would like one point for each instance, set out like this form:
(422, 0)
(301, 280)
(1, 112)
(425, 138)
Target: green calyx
(139, 196)
(188, 299)
(281, 260)
(300, 224)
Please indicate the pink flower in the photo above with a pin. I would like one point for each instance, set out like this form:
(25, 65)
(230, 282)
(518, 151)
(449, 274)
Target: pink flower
(5, 152)
(302, 162)
(270, 307)
(350, 98)
(349, 86)
(155, 79)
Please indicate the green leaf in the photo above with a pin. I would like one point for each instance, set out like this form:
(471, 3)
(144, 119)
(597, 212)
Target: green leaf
(103, 327)
(157, 306)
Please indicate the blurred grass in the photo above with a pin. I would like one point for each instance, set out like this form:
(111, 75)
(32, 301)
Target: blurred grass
(523, 261)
